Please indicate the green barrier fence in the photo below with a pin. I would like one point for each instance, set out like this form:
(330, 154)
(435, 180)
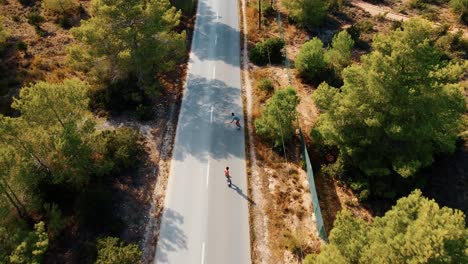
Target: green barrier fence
(310, 173)
(313, 191)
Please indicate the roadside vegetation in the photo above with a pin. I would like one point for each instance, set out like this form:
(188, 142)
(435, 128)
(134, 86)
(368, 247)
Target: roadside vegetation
(383, 107)
(69, 69)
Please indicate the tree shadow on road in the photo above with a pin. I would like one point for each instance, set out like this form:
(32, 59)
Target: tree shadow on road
(208, 27)
(171, 238)
(203, 127)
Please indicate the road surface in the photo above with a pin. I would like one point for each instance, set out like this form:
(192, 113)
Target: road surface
(204, 221)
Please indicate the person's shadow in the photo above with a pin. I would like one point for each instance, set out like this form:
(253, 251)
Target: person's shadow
(239, 191)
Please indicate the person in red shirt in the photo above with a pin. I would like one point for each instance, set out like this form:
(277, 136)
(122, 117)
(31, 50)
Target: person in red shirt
(228, 177)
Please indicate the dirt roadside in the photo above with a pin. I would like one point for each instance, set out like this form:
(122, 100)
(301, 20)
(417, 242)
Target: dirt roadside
(388, 12)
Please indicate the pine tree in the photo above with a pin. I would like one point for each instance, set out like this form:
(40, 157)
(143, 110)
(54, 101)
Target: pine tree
(415, 230)
(398, 108)
(126, 38)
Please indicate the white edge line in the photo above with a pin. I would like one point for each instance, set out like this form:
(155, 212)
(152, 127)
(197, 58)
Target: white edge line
(211, 115)
(208, 174)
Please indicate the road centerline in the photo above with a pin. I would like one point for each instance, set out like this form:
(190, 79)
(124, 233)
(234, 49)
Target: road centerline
(203, 253)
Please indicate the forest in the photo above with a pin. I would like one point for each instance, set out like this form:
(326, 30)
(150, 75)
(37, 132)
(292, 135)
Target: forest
(384, 104)
(59, 160)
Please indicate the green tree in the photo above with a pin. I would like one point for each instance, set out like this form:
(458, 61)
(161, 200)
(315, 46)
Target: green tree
(55, 130)
(380, 120)
(310, 60)
(338, 56)
(32, 249)
(308, 13)
(60, 6)
(279, 116)
(113, 251)
(415, 230)
(128, 38)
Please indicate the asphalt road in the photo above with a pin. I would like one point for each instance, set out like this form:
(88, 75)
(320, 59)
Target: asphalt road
(205, 221)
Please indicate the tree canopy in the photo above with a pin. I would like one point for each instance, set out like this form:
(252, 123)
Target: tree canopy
(113, 251)
(128, 38)
(279, 116)
(60, 6)
(338, 56)
(415, 230)
(308, 13)
(54, 130)
(398, 108)
(310, 60)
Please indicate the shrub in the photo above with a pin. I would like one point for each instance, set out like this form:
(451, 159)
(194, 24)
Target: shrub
(310, 61)
(308, 13)
(113, 251)
(460, 7)
(267, 51)
(21, 45)
(60, 6)
(266, 85)
(144, 112)
(26, 2)
(4, 33)
(120, 96)
(35, 18)
(122, 148)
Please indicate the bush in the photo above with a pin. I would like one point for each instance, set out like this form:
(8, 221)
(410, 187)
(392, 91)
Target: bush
(460, 7)
(267, 51)
(121, 96)
(113, 251)
(310, 61)
(60, 6)
(26, 2)
(308, 13)
(35, 18)
(266, 85)
(144, 112)
(294, 243)
(122, 148)
(4, 33)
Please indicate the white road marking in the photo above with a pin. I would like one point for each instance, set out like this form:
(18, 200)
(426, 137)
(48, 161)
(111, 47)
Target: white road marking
(208, 174)
(203, 253)
(214, 72)
(211, 115)
(216, 40)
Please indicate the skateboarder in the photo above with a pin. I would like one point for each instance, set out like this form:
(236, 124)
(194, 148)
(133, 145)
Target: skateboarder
(228, 177)
(237, 119)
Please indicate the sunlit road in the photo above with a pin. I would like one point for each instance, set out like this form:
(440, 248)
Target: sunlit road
(204, 221)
